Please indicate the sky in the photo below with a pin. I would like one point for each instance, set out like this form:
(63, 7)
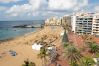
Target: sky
(42, 9)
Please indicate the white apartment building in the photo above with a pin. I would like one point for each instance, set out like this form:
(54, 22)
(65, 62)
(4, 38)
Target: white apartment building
(95, 27)
(85, 23)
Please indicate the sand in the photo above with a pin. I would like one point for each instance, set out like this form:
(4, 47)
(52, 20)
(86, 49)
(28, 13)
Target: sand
(23, 46)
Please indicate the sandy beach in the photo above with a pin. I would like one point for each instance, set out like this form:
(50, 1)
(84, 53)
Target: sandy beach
(23, 46)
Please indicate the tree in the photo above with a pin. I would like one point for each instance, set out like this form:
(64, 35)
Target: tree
(86, 38)
(72, 54)
(43, 54)
(93, 47)
(85, 61)
(66, 44)
(28, 63)
(74, 63)
(65, 38)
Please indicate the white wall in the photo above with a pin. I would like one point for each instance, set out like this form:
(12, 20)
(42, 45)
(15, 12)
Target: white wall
(73, 23)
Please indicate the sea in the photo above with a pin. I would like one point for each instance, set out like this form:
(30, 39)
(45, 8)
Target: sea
(8, 32)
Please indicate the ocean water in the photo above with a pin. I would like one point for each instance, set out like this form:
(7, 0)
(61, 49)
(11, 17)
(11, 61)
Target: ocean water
(7, 32)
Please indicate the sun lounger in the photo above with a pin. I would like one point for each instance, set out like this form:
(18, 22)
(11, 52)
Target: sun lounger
(12, 53)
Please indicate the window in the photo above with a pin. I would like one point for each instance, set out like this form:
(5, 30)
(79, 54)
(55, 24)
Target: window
(80, 23)
(97, 27)
(79, 18)
(89, 28)
(97, 24)
(89, 18)
(84, 21)
(97, 19)
(97, 30)
(89, 21)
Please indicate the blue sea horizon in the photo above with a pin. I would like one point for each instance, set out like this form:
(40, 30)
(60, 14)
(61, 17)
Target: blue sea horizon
(7, 32)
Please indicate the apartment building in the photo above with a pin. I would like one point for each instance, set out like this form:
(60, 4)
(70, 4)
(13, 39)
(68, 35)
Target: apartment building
(53, 21)
(95, 26)
(81, 23)
(85, 23)
(66, 20)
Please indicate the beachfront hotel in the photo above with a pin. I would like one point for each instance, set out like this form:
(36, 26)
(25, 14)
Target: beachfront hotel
(85, 23)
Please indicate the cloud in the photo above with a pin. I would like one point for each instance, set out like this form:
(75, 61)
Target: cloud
(35, 4)
(30, 8)
(66, 4)
(96, 8)
(2, 8)
(19, 10)
(8, 1)
(61, 4)
(50, 7)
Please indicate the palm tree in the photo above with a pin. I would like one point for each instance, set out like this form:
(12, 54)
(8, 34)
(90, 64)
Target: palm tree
(43, 54)
(87, 62)
(67, 28)
(66, 44)
(93, 47)
(74, 63)
(86, 38)
(32, 64)
(28, 63)
(72, 54)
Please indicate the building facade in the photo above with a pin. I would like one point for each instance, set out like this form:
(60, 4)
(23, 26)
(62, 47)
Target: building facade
(66, 20)
(53, 21)
(95, 27)
(85, 23)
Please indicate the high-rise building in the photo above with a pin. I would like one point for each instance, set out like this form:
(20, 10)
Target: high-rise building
(85, 23)
(66, 20)
(95, 24)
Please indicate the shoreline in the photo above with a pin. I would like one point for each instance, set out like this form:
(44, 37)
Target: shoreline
(23, 46)
(10, 39)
